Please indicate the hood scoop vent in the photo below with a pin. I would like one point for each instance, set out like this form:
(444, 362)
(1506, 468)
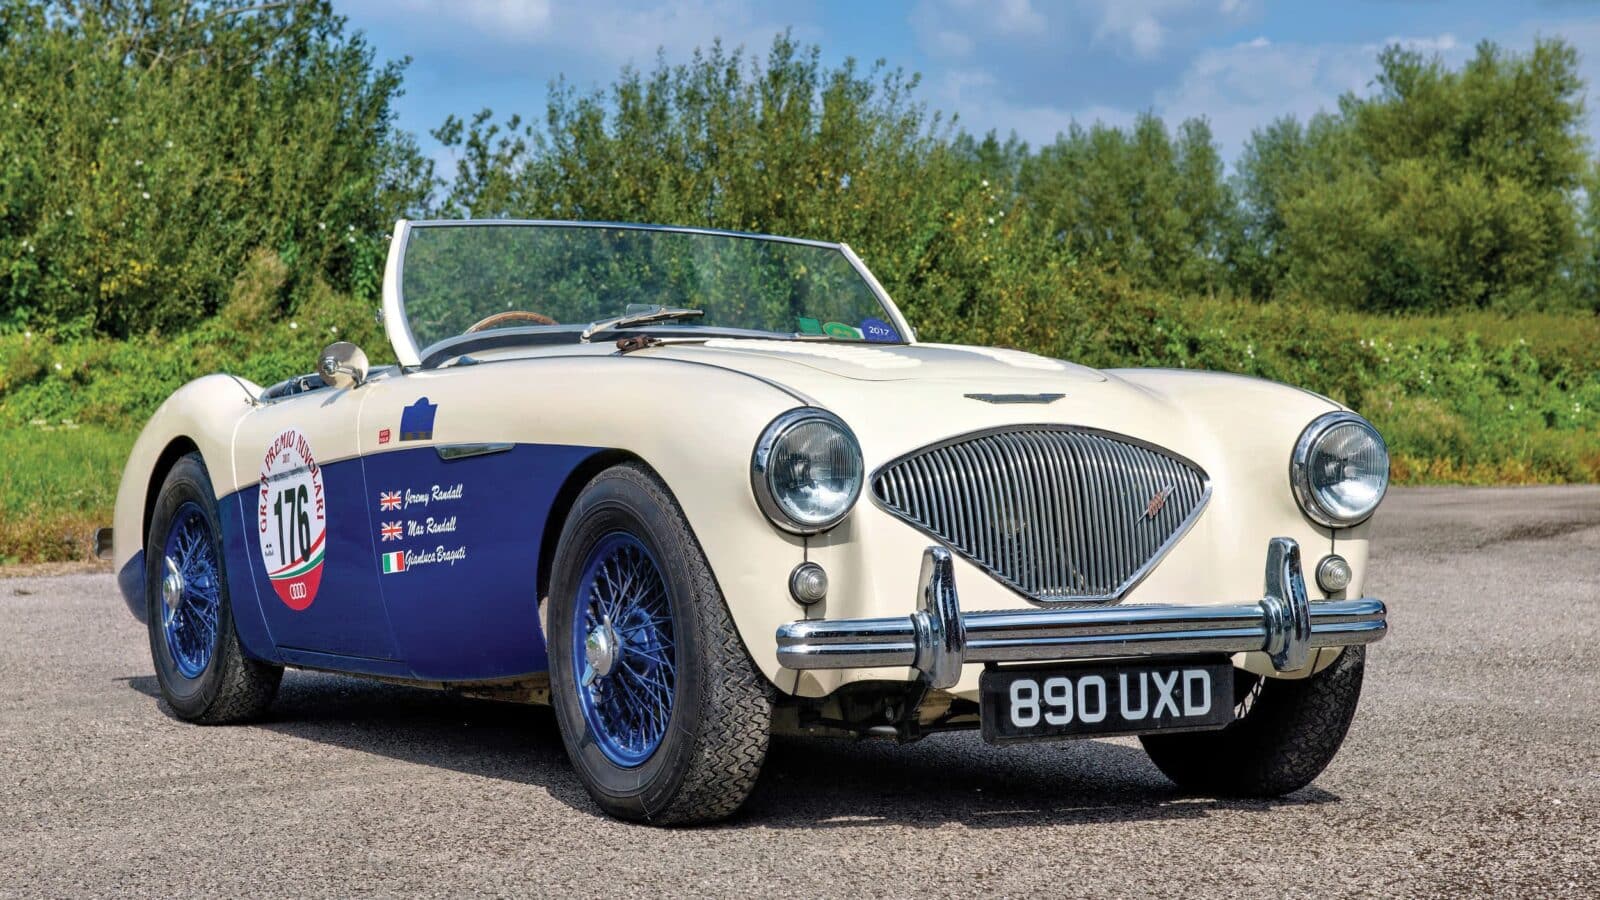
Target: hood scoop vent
(1015, 398)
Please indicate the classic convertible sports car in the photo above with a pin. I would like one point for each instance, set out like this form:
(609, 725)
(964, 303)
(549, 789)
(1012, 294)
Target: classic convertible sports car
(693, 488)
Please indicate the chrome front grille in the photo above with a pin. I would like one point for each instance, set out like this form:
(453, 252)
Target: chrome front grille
(1057, 513)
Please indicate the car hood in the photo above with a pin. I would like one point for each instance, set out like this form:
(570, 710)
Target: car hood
(884, 362)
(899, 397)
(1239, 431)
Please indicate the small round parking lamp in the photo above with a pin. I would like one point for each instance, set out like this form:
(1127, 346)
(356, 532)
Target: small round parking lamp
(1333, 574)
(808, 583)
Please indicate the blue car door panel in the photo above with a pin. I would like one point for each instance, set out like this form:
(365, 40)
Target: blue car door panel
(307, 540)
(457, 526)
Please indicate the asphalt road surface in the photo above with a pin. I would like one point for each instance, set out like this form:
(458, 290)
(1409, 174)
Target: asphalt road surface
(1473, 768)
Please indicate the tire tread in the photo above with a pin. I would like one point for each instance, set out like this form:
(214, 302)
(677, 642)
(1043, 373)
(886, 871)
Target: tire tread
(1281, 745)
(733, 738)
(711, 778)
(240, 689)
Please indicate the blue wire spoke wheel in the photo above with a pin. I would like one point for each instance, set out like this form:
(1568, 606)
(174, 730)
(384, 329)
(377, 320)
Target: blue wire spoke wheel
(622, 634)
(191, 598)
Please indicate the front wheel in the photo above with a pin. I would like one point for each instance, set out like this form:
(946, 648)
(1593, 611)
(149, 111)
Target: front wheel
(202, 670)
(661, 710)
(1286, 733)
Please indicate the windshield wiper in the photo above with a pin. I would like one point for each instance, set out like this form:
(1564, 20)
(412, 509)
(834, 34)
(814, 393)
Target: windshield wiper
(642, 317)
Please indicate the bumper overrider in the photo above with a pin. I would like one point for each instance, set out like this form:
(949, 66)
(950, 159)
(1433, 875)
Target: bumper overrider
(938, 639)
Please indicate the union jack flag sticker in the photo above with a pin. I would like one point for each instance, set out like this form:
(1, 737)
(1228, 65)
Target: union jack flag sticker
(388, 500)
(390, 531)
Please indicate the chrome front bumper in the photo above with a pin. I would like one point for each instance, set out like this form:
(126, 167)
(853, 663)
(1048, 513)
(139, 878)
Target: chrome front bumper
(938, 639)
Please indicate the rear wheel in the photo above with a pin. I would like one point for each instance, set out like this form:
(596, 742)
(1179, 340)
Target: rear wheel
(660, 708)
(200, 665)
(1286, 732)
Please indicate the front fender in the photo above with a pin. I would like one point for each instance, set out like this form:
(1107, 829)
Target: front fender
(1239, 430)
(694, 424)
(201, 415)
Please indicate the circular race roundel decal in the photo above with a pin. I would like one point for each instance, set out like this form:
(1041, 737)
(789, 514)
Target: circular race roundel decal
(292, 518)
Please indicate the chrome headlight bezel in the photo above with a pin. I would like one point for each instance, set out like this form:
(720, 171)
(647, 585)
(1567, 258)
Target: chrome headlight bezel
(1310, 500)
(760, 470)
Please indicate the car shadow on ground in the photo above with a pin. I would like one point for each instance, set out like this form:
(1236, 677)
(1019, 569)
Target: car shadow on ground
(806, 783)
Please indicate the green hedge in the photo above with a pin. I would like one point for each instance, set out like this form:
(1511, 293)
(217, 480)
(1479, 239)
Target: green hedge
(1470, 397)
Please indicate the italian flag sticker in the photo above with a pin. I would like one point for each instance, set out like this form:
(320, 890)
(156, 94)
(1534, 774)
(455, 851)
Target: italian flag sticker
(394, 562)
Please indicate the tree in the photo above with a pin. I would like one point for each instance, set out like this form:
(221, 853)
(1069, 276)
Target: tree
(1586, 269)
(1154, 207)
(1442, 189)
(148, 146)
(778, 145)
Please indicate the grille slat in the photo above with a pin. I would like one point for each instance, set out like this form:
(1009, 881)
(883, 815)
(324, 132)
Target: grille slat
(1057, 513)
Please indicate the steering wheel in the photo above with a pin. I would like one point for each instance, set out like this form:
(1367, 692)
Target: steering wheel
(510, 317)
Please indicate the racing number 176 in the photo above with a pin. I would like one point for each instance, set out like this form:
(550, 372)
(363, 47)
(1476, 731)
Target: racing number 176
(291, 504)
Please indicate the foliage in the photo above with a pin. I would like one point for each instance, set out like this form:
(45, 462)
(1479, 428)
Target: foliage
(188, 188)
(1156, 207)
(115, 383)
(146, 148)
(58, 487)
(781, 146)
(1442, 190)
(149, 146)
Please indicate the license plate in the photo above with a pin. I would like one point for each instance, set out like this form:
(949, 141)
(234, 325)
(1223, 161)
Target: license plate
(1100, 699)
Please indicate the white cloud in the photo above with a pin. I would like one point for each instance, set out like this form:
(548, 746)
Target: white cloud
(1236, 88)
(1015, 16)
(508, 16)
(604, 33)
(1036, 68)
(953, 29)
(1246, 86)
(520, 20)
(976, 96)
(1142, 26)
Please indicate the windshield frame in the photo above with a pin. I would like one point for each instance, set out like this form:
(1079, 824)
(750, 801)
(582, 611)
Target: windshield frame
(410, 355)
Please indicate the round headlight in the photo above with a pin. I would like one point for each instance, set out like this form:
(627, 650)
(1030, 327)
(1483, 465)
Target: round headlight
(1340, 469)
(806, 470)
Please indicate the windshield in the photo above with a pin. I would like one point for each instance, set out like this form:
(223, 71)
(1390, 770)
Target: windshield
(461, 278)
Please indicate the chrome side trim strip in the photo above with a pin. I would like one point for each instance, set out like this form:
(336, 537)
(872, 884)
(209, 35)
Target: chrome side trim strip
(939, 638)
(463, 451)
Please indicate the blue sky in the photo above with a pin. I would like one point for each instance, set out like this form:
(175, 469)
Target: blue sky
(1028, 66)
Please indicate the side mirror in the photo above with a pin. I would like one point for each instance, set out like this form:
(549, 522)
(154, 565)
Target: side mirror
(343, 365)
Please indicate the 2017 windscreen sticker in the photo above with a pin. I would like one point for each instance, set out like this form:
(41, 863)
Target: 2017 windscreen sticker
(292, 519)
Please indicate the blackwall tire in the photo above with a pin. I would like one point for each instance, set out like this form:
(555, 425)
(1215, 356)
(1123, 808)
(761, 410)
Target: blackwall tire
(1290, 731)
(701, 761)
(201, 667)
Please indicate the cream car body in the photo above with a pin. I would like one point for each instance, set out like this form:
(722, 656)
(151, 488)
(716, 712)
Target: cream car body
(693, 410)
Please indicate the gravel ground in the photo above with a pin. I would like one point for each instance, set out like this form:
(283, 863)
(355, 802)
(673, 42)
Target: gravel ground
(1473, 768)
